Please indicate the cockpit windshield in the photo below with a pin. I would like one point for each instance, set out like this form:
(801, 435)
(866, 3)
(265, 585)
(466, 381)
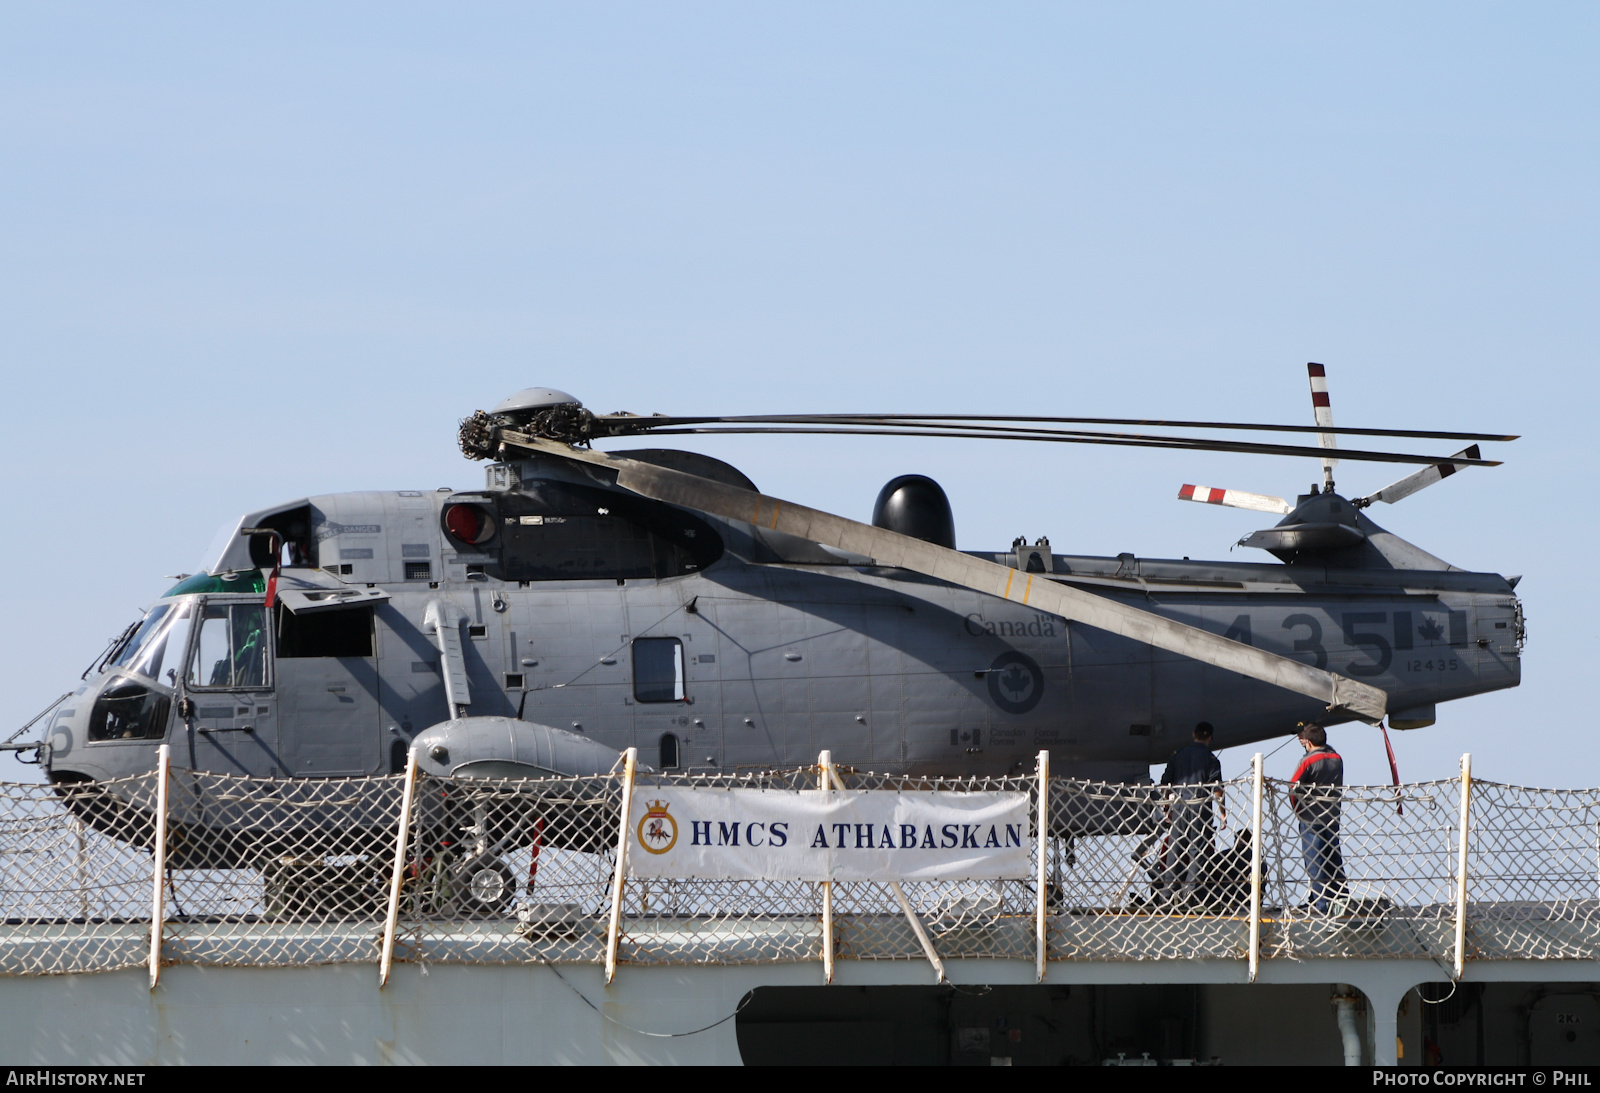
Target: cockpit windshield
(141, 637)
(156, 649)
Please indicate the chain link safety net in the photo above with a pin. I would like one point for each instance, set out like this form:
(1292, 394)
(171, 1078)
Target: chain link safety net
(1164, 872)
(509, 870)
(1140, 872)
(1533, 859)
(75, 875)
(280, 871)
(1366, 871)
(298, 871)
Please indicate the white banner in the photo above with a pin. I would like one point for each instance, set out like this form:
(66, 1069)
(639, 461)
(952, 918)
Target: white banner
(819, 834)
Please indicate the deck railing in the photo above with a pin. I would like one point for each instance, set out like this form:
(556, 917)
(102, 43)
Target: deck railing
(179, 867)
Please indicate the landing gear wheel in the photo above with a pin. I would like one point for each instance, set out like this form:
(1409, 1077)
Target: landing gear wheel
(484, 885)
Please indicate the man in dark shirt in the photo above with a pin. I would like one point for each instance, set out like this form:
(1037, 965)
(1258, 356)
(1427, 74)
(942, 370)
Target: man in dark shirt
(1196, 777)
(1315, 800)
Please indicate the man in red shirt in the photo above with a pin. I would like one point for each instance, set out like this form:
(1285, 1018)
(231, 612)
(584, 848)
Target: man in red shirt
(1315, 800)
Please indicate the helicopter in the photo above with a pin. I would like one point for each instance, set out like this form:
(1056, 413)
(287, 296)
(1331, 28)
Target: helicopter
(582, 603)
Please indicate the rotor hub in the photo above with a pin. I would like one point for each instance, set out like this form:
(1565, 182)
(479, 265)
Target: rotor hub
(543, 412)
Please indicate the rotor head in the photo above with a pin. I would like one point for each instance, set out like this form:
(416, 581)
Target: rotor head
(530, 400)
(538, 411)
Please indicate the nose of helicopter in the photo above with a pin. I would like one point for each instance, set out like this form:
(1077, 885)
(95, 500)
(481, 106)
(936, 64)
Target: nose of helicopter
(65, 757)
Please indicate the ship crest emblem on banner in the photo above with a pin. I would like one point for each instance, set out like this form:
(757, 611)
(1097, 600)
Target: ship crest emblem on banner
(658, 831)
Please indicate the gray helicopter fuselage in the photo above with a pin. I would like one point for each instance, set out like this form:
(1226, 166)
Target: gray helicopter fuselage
(761, 657)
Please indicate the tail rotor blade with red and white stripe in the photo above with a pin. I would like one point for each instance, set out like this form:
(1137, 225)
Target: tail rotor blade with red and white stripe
(1322, 410)
(1236, 499)
(1411, 483)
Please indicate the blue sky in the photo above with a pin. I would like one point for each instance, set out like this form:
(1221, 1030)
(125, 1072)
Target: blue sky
(250, 255)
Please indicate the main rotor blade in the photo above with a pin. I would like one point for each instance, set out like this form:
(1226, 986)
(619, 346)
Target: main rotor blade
(1341, 695)
(623, 423)
(1128, 440)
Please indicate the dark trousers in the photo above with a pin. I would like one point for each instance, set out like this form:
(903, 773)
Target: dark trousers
(1319, 842)
(1190, 847)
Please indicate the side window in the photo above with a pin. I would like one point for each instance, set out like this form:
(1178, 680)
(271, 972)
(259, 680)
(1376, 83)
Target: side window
(128, 710)
(232, 647)
(658, 670)
(669, 751)
(343, 633)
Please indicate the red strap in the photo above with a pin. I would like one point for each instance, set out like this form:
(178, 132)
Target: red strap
(1394, 771)
(277, 567)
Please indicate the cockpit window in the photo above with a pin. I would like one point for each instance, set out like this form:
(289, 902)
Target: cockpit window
(248, 580)
(156, 651)
(139, 646)
(232, 648)
(166, 662)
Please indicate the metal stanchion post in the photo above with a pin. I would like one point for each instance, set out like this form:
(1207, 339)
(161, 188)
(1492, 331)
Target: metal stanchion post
(1461, 867)
(1040, 910)
(824, 773)
(1256, 787)
(158, 898)
(397, 874)
(614, 928)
